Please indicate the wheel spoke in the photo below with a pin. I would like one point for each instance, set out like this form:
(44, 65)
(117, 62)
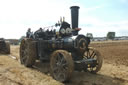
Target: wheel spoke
(93, 54)
(62, 76)
(58, 58)
(55, 69)
(65, 67)
(58, 75)
(87, 55)
(63, 61)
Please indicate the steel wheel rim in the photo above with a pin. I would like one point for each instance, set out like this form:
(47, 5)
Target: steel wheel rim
(60, 67)
(91, 54)
(24, 52)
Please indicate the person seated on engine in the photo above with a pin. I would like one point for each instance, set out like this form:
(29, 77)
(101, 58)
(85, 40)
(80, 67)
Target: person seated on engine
(28, 33)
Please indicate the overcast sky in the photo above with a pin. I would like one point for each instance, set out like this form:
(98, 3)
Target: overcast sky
(96, 16)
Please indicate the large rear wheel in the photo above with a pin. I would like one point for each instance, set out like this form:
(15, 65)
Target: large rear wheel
(27, 52)
(61, 65)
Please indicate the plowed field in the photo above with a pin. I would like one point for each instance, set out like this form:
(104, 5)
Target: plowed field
(113, 72)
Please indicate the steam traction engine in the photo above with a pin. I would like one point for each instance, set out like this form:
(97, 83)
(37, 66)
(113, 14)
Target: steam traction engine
(66, 49)
(4, 46)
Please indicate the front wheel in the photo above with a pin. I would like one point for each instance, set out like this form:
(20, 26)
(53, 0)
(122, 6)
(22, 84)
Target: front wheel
(92, 53)
(61, 65)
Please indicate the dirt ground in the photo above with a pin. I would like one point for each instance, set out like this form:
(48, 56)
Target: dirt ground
(113, 72)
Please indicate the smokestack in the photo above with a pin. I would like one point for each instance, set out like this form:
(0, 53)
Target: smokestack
(74, 18)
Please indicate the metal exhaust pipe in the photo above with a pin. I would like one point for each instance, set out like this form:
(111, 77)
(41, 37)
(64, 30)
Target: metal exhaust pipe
(74, 18)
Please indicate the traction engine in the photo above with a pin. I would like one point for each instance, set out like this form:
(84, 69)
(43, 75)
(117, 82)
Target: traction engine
(66, 50)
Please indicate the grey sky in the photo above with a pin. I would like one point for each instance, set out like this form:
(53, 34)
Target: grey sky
(96, 16)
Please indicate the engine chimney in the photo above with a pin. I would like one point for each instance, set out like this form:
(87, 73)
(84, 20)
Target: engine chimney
(74, 18)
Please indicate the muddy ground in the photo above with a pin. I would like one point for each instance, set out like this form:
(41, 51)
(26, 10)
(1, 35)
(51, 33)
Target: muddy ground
(113, 72)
